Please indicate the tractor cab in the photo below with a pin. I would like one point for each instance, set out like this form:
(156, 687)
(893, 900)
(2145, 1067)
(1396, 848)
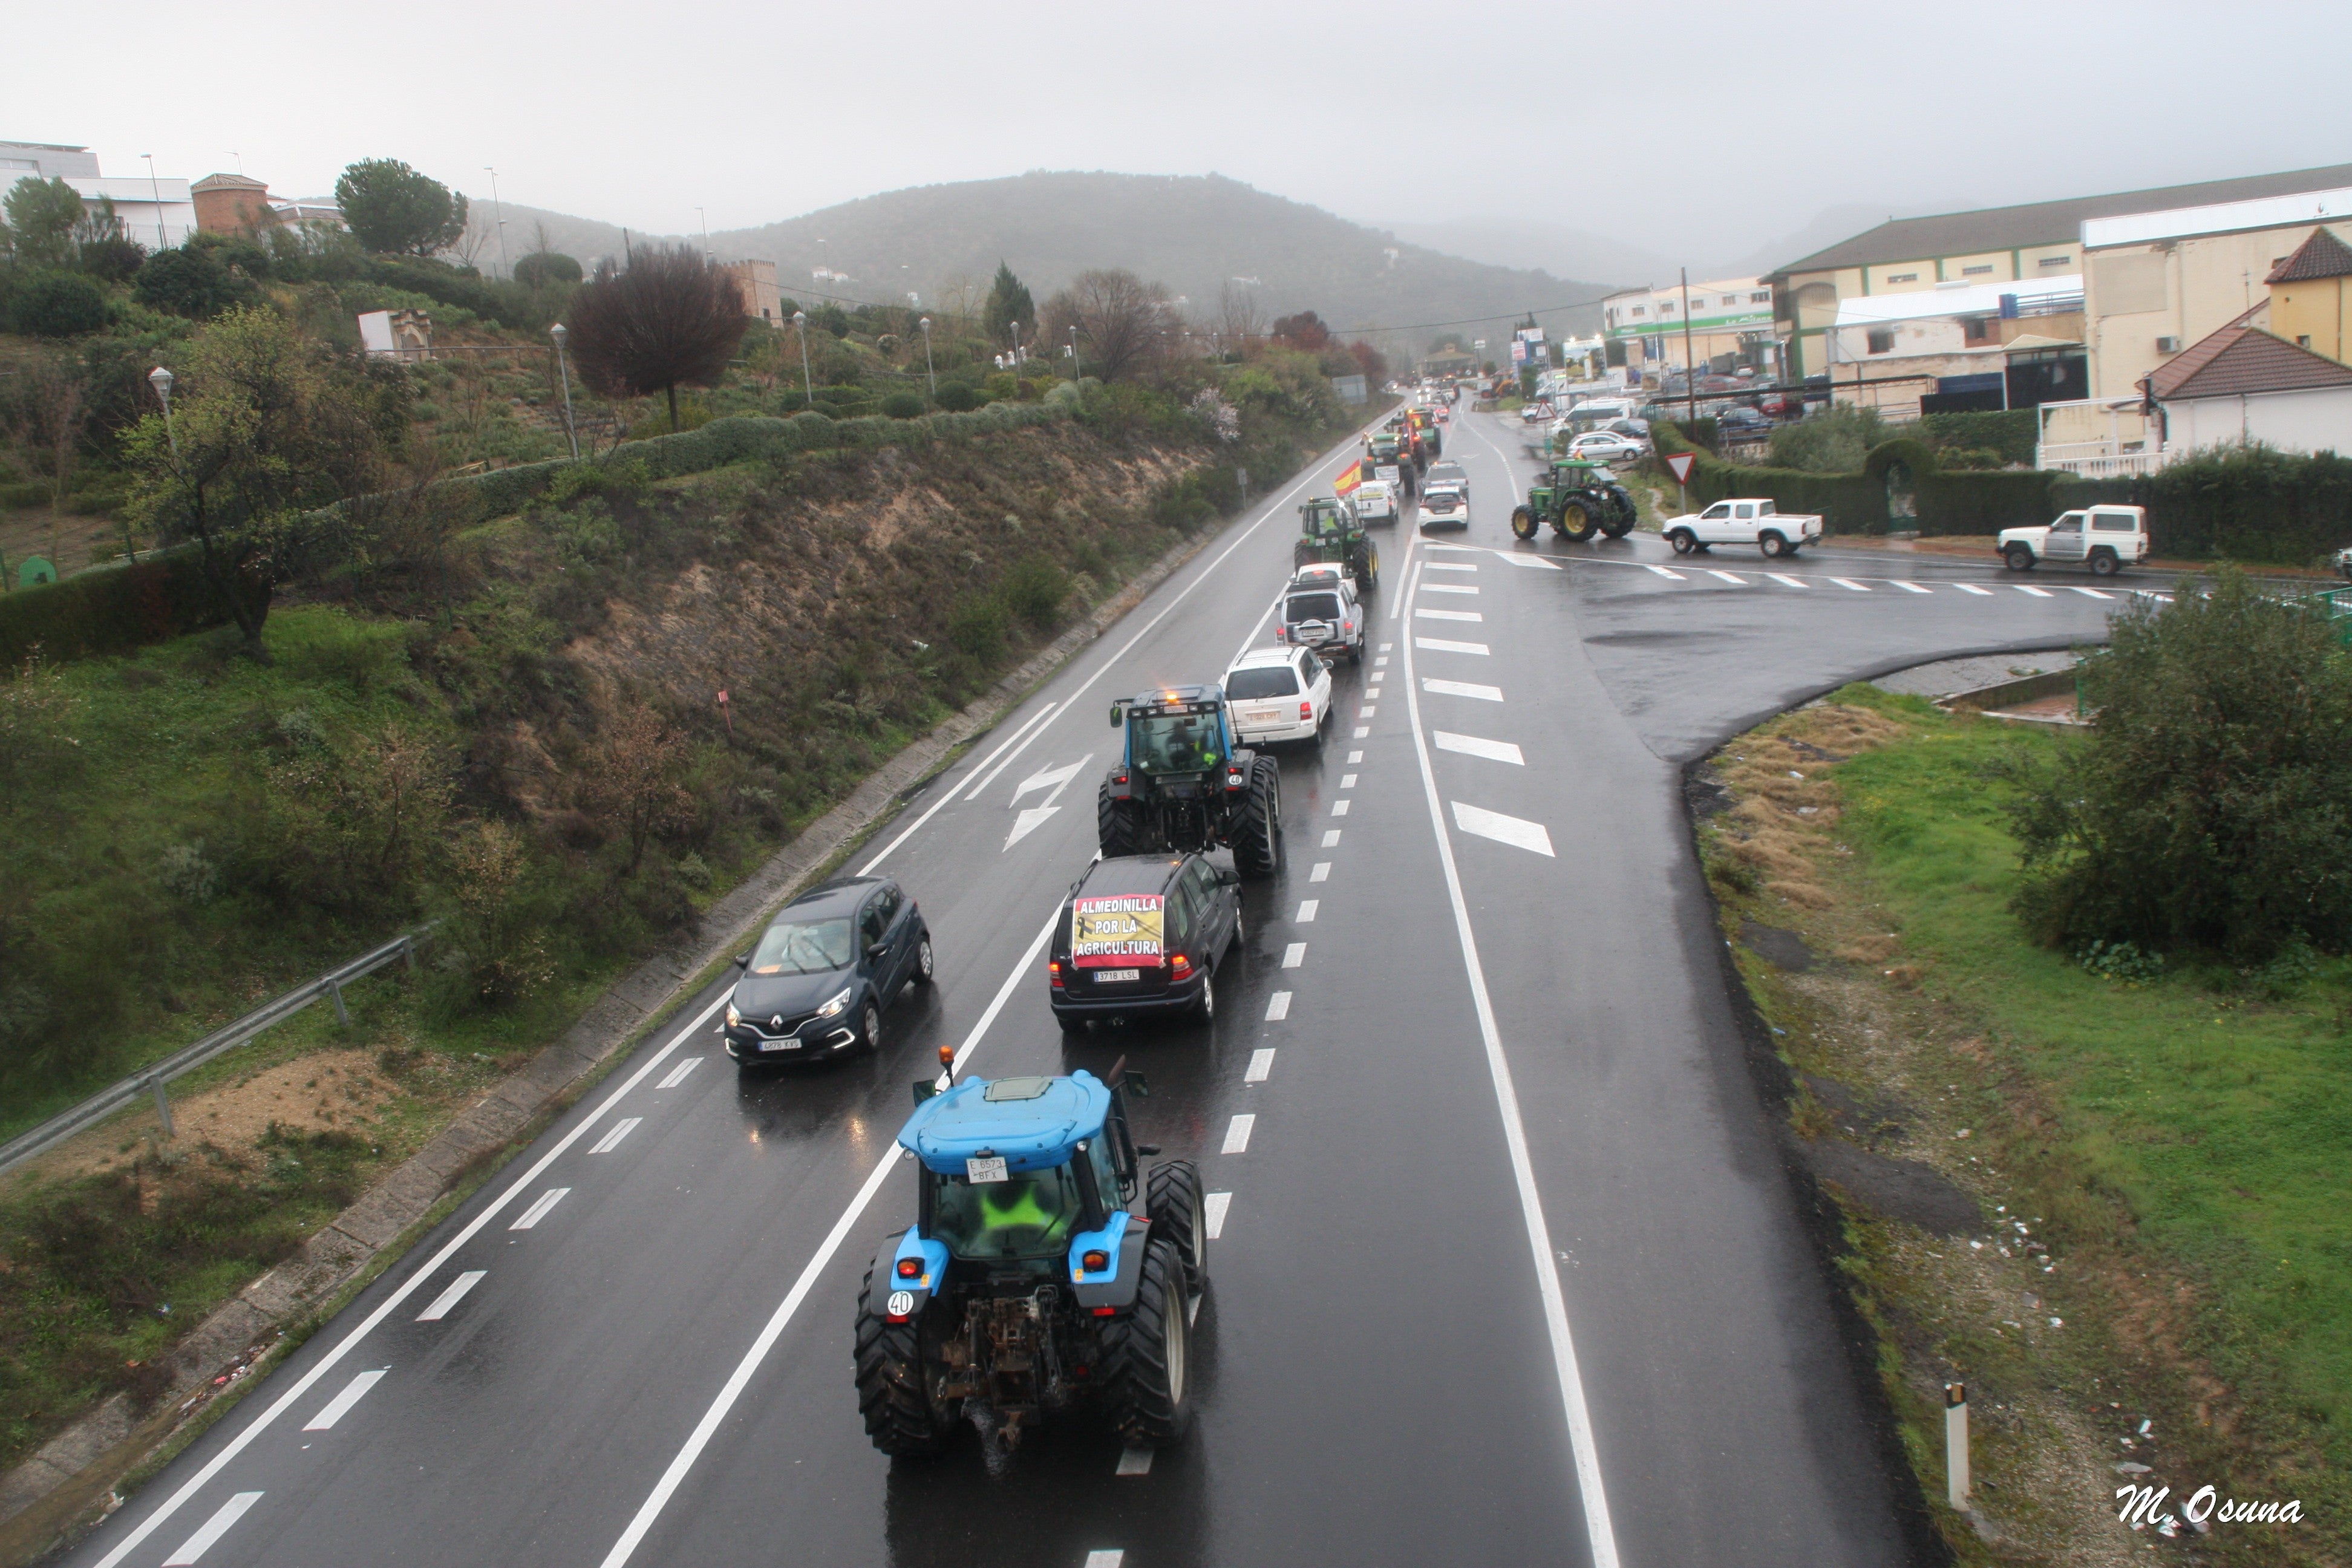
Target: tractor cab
(1180, 731)
(1018, 1169)
(1330, 530)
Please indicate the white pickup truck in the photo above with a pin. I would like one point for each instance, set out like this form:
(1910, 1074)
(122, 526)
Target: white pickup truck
(1777, 533)
(2105, 538)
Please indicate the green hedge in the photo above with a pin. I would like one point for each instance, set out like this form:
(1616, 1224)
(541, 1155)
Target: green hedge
(1847, 504)
(108, 610)
(2241, 503)
(1958, 501)
(2011, 432)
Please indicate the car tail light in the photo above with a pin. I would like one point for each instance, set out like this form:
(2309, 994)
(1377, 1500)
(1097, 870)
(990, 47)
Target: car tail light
(911, 1268)
(1094, 1262)
(1305, 711)
(1054, 973)
(1106, 1312)
(1181, 965)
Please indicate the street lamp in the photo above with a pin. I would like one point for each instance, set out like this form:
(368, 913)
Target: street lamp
(1075, 369)
(559, 333)
(1015, 327)
(808, 389)
(498, 209)
(705, 232)
(928, 368)
(161, 380)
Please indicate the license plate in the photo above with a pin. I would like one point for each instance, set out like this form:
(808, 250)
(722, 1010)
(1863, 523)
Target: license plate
(980, 1172)
(1104, 974)
(780, 1045)
(1265, 715)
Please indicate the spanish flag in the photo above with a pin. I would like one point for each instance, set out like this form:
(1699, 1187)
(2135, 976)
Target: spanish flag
(1344, 483)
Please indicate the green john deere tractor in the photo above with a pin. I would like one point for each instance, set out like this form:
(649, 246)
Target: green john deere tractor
(1578, 499)
(1328, 530)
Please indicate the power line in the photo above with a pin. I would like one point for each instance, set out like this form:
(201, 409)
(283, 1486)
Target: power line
(1474, 321)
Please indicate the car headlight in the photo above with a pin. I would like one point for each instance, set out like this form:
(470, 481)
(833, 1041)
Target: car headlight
(836, 1004)
(733, 1017)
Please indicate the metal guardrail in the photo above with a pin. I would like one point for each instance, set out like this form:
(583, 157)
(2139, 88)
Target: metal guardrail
(150, 1080)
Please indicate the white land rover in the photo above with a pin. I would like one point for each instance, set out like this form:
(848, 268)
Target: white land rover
(2105, 538)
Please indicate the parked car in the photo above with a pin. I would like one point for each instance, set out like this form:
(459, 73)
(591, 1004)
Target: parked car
(1279, 694)
(825, 971)
(1738, 424)
(1143, 935)
(2105, 538)
(2344, 563)
(1748, 521)
(1606, 446)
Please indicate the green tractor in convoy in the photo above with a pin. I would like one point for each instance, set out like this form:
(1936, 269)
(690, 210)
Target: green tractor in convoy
(1579, 498)
(1330, 530)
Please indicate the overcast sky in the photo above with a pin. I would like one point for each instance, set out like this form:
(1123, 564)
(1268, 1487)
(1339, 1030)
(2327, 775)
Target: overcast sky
(1700, 129)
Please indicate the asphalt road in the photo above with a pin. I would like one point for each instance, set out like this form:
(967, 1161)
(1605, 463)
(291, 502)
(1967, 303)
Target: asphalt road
(1505, 1266)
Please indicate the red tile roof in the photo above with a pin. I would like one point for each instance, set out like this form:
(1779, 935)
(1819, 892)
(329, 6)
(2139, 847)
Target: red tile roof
(2321, 256)
(2238, 360)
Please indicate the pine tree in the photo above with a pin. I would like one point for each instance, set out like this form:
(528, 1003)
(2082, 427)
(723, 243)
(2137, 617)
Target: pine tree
(1008, 301)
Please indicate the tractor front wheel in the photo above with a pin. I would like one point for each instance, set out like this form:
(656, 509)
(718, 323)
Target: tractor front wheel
(1173, 1202)
(891, 1382)
(1115, 827)
(1146, 1353)
(1257, 836)
(1523, 522)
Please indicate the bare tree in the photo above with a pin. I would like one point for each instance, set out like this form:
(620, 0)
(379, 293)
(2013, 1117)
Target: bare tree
(47, 415)
(1239, 316)
(1123, 323)
(633, 783)
(673, 317)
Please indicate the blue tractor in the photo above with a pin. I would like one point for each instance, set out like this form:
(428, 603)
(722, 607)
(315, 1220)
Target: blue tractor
(1180, 783)
(1026, 1287)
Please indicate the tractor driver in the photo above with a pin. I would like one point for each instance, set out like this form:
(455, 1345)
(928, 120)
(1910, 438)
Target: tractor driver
(1010, 1208)
(1184, 749)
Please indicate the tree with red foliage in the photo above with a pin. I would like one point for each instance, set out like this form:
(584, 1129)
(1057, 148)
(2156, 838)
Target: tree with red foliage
(1304, 331)
(1374, 363)
(673, 317)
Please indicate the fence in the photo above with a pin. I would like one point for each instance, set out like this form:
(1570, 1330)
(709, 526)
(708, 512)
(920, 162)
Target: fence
(150, 1080)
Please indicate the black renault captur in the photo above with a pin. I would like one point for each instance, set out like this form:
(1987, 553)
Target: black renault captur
(823, 970)
(1142, 934)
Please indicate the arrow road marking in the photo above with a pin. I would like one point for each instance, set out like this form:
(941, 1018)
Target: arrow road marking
(1517, 832)
(1462, 689)
(1473, 746)
(1056, 778)
(1034, 818)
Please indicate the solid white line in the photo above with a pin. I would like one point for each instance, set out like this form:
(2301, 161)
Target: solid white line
(773, 1329)
(1330, 837)
(1849, 583)
(1792, 582)
(1294, 955)
(228, 1514)
(1909, 587)
(1217, 1204)
(1340, 808)
(339, 1405)
(2089, 592)
(1321, 873)
(1134, 1462)
(1277, 1006)
(1972, 588)
(1590, 1492)
(612, 1140)
(985, 774)
(399, 1297)
(1438, 645)
(1237, 1134)
(531, 1216)
(1663, 571)
(452, 1296)
(1474, 746)
(1307, 910)
(1516, 831)
(1449, 587)
(1424, 614)
(1462, 689)
(679, 1077)
(1261, 1063)
(2030, 588)
(1727, 576)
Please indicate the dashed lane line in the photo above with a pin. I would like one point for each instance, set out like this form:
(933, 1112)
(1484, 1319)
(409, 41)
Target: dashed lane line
(1476, 746)
(1294, 955)
(1727, 576)
(1451, 565)
(2088, 593)
(1261, 1064)
(1321, 873)
(612, 1140)
(1217, 1205)
(1849, 583)
(1361, 730)
(1533, 563)
(1355, 757)
(1462, 689)
(1338, 808)
(1277, 1006)
(1366, 711)
(1908, 586)
(1237, 1134)
(528, 1219)
(1514, 831)
(1972, 588)
(2030, 588)
(448, 1298)
(1134, 1462)
(679, 1075)
(213, 1529)
(1306, 908)
(1791, 582)
(338, 1407)
(1105, 1559)
(1666, 571)
(1347, 781)
(1441, 645)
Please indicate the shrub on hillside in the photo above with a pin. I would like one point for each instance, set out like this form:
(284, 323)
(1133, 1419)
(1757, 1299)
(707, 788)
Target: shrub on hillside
(903, 405)
(57, 305)
(1035, 589)
(2206, 810)
(544, 267)
(958, 398)
(978, 626)
(189, 282)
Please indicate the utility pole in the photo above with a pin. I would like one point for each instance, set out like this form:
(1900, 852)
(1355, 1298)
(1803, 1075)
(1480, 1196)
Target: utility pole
(930, 369)
(808, 388)
(559, 333)
(498, 211)
(157, 187)
(1690, 367)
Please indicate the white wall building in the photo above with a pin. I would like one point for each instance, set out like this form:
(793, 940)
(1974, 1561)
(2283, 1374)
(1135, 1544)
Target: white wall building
(158, 214)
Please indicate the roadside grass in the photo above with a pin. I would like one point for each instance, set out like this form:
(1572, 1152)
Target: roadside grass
(2173, 1150)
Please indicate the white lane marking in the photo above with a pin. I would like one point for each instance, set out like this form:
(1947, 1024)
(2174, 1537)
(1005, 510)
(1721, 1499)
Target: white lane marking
(1306, 908)
(1791, 582)
(1462, 689)
(1372, 690)
(1535, 562)
(1451, 565)
(1474, 746)
(1382, 662)
(1516, 831)
(1458, 549)
(1340, 808)
(2030, 588)
(1386, 646)
(1663, 571)
(612, 1140)
(1277, 1006)
(741, 1378)
(1028, 822)
(1438, 645)
(1849, 583)
(1055, 779)
(1354, 757)
(335, 1409)
(1910, 587)
(1972, 588)
(950, 793)
(1321, 873)
(1261, 1064)
(1294, 955)
(986, 774)
(1217, 1204)
(531, 1216)
(1591, 1491)
(1727, 576)
(1032, 817)
(1330, 837)
(1134, 1462)
(1347, 781)
(1420, 613)
(1367, 711)
(398, 1299)
(452, 1296)
(1110, 1559)
(1237, 1134)
(1361, 730)
(195, 1546)
(1449, 587)
(679, 1076)
(2088, 593)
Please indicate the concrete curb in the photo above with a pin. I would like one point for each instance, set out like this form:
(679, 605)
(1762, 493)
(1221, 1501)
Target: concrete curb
(76, 1472)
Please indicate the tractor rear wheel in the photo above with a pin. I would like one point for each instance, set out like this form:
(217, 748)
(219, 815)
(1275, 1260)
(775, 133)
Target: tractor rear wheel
(1577, 522)
(1257, 835)
(1173, 1202)
(891, 1381)
(1523, 522)
(1146, 1363)
(1115, 827)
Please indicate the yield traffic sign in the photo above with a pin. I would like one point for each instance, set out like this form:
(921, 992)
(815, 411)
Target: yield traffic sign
(1680, 465)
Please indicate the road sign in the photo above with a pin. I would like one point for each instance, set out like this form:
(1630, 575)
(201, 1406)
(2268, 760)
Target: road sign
(1680, 465)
